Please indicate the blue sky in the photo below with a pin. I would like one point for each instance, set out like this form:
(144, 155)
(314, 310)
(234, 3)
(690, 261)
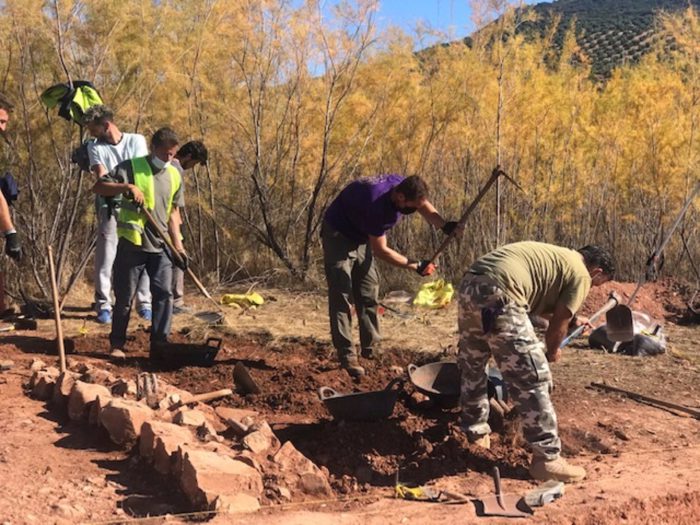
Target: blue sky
(452, 17)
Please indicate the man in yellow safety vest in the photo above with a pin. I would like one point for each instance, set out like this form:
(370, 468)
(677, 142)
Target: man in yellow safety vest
(151, 182)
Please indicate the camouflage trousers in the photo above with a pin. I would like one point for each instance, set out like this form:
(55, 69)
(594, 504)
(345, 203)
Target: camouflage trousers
(490, 324)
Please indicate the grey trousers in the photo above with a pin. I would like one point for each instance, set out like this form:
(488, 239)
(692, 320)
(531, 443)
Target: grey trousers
(130, 264)
(178, 287)
(105, 253)
(352, 279)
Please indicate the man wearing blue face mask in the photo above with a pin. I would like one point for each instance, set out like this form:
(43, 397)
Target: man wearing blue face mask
(353, 233)
(154, 183)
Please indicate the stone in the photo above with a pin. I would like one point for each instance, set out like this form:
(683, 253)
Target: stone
(261, 440)
(43, 382)
(233, 418)
(247, 457)
(81, 396)
(211, 417)
(62, 388)
(207, 477)
(284, 493)
(123, 419)
(160, 440)
(188, 417)
(300, 473)
(235, 413)
(6, 364)
(122, 388)
(81, 368)
(36, 365)
(96, 409)
(236, 504)
(97, 375)
(396, 370)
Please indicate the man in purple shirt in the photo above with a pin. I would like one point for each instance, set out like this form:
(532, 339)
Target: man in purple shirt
(360, 216)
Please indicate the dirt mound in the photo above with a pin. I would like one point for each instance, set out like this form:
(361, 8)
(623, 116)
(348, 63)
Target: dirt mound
(661, 300)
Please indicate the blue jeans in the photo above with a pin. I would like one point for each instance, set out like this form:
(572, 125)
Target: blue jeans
(129, 265)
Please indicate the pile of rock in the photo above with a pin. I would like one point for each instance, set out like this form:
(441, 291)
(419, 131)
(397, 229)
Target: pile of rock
(223, 459)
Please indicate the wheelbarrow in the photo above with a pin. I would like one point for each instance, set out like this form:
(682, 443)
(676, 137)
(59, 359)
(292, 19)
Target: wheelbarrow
(184, 354)
(362, 406)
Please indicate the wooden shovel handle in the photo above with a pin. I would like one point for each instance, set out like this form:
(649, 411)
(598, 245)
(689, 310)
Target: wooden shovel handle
(209, 396)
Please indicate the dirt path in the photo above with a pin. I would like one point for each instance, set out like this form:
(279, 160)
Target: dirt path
(643, 463)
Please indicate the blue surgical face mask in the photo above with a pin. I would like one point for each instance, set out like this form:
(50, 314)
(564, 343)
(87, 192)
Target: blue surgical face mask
(158, 163)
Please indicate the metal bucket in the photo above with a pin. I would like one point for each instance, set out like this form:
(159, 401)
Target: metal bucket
(362, 406)
(441, 382)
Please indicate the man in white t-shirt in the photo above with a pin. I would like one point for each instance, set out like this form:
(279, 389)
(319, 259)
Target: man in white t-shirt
(109, 149)
(187, 157)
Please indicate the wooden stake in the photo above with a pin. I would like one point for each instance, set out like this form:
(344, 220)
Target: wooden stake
(57, 312)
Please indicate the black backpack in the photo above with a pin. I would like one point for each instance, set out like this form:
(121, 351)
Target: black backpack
(80, 156)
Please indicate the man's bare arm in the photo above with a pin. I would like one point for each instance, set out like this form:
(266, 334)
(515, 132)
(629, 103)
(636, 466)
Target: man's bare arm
(555, 334)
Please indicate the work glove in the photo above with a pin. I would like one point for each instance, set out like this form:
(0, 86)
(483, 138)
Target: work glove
(12, 247)
(449, 227)
(425, 268)
(182, 261)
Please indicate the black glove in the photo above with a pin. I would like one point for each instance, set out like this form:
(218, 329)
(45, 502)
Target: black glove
(182, 261)
(12, 247)
(425, 268)
(449, 227)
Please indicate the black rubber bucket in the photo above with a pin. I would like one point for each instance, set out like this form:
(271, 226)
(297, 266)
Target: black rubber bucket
(184, 354)
(361, 406)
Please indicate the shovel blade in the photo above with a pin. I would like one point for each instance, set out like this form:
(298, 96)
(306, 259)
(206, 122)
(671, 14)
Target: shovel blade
(243, 380)
(212, 318)
(509, 506)
(620, 326)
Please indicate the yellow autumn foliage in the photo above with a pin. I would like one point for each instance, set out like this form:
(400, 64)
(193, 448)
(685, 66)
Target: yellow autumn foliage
(294, 102)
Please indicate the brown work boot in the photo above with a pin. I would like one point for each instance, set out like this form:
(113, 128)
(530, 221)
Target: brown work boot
(558, 469)
(352, 366)
(481, 441)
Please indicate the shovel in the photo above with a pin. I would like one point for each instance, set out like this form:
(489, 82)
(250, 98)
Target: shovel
(495, 174)
(620, 325)
(506, 505)
(613, 301)
(208, 317)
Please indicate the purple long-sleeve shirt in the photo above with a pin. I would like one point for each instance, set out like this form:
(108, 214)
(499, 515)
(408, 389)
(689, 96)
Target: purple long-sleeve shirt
(364, 208)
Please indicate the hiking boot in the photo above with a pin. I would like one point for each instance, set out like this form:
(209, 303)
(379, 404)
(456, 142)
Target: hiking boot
(352, 366)
(371, 353)
(481, 441)
(558, 469)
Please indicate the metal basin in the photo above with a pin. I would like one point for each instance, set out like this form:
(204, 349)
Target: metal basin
(441, 382)
(361, 406)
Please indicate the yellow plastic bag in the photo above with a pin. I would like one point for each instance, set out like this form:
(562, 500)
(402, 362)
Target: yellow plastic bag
(246, 300)
(437, 294)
